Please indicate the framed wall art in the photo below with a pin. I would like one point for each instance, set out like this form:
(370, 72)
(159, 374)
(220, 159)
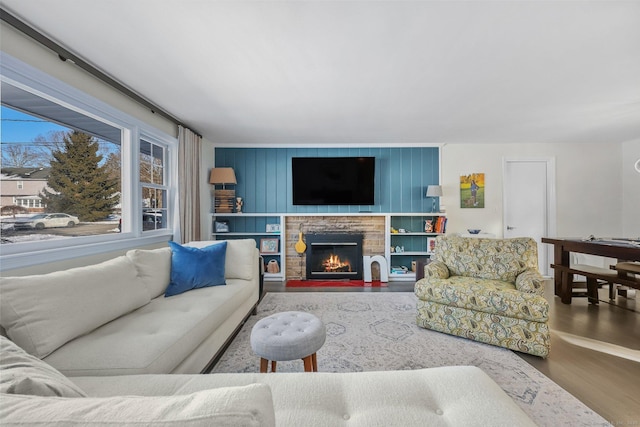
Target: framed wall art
(269, 246)
(472, 190)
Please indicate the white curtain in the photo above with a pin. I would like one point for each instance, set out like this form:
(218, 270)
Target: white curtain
(189, 154)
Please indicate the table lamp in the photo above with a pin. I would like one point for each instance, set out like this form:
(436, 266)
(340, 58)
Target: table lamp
(223, 199)
(434, 191)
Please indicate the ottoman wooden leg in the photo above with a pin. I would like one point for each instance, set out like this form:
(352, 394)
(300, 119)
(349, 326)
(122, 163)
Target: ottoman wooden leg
(314, 360)
(264, 363)
(273, 366)
(308, 363)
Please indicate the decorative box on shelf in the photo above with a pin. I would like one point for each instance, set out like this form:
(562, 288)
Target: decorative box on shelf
(399, 270)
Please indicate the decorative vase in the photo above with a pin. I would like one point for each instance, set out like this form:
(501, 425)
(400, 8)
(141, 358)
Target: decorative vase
(273, 266)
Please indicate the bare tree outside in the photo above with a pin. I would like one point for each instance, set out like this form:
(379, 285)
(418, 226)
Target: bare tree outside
(19, 156)
(34, 154)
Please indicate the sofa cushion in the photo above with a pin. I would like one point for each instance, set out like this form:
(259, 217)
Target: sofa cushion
(22, 373)
(41, 313)
(250, 405)
(239, 263)
(496, 259)
(193, 268)
(155, 338)
(154, 268)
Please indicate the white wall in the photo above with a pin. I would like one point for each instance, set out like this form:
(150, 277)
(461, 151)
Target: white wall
(630, 189)
(589, 186)
(27, 50)
(206, 200)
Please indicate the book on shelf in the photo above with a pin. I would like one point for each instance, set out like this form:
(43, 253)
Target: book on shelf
(441, 225)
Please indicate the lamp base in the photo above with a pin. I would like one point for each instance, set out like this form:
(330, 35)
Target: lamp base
(224, 201)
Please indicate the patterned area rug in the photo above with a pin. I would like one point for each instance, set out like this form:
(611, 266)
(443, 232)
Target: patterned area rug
(377, 332)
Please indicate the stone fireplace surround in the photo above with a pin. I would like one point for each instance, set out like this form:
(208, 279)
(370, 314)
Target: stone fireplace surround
(371, 227)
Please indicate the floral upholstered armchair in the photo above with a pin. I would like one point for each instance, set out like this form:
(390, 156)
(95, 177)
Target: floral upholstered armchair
(487, 290)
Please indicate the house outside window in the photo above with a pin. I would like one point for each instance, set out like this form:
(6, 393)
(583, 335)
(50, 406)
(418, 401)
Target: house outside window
(30, 203)
(20, 185)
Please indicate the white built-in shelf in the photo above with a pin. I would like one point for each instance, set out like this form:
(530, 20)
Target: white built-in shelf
(222, 214)
(414, 233)
(410, 276)
(411, 253)
(235, 233)
(413, 240)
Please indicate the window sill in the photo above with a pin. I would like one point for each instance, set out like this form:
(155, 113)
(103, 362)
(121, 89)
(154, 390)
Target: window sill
(46, 256)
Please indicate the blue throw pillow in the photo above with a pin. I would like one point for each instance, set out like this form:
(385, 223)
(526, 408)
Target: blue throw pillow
(193, 268)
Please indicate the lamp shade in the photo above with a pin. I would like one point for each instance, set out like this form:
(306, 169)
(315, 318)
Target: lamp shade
(222, 176)
(434, 191)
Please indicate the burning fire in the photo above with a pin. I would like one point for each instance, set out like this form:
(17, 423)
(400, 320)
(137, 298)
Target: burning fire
(334, 264)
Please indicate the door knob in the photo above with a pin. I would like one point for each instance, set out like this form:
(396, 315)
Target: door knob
(510, 228)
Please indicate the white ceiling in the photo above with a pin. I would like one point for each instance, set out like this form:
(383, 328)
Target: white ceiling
(367, 72)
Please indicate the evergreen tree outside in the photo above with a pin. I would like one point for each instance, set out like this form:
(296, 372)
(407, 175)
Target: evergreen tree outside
(81, 187)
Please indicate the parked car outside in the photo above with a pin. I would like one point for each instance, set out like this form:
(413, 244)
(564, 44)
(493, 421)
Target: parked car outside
(151, 220)
(50, 220)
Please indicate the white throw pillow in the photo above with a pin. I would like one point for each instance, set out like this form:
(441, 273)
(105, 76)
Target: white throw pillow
(240, 262)
(22, 373)
(249, 406)
(154, 268)
(43, 312)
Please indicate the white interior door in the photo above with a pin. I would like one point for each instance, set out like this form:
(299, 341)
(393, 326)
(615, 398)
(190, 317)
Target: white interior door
(528, 203)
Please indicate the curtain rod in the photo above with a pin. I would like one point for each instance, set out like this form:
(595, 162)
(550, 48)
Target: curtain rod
(65, 55)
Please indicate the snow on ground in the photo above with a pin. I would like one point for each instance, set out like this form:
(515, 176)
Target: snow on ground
(35, 238)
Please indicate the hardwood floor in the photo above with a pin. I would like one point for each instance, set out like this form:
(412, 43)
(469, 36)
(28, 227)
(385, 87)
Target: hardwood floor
(595, 349)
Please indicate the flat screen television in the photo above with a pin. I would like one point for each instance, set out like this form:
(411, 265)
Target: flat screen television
(333, 180)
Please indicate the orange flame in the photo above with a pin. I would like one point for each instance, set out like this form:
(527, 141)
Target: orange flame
(333, 263)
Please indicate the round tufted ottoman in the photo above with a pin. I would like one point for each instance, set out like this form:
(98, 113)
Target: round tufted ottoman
(289, 335)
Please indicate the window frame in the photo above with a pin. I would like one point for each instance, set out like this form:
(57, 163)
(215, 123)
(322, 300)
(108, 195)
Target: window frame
(166, 179)
(17, 73)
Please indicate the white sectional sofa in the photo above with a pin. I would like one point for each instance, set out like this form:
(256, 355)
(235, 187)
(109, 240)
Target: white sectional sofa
(112, 318)
(33, 394)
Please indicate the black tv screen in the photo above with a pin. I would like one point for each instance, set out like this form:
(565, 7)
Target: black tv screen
(333, 180)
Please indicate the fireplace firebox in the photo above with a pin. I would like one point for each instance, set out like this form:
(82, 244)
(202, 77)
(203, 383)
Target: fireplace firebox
(334, 256)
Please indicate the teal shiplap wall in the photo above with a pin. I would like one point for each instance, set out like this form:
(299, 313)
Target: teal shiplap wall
(264, 177)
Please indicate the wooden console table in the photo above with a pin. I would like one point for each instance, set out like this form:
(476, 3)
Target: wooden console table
(611, 248)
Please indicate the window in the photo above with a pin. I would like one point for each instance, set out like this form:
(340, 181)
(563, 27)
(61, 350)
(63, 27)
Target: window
(29, 202)
(47, 127)
(152, 181)
(62, 153)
